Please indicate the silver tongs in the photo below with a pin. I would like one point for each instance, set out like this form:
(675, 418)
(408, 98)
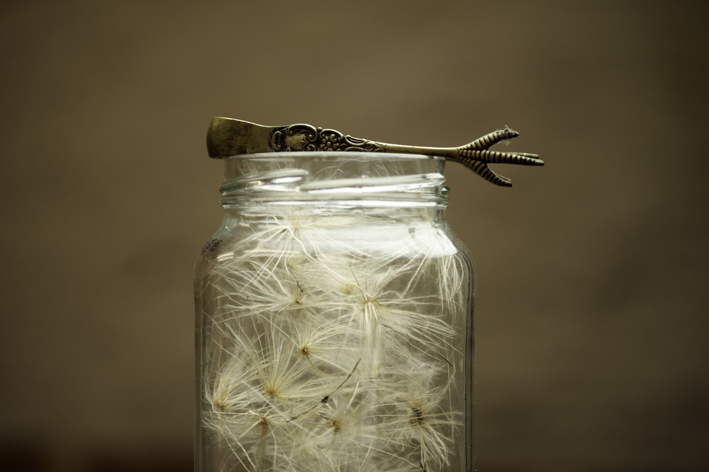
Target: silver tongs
(229, 137)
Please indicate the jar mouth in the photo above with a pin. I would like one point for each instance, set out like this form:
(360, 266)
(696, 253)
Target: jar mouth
(335, 177)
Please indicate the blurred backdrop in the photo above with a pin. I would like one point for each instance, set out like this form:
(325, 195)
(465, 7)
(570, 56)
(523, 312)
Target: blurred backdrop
(593, 271)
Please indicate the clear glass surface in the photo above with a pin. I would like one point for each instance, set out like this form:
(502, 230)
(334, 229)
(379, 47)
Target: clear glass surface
(334, 319)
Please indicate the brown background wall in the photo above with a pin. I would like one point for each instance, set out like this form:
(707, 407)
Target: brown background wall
(592, 319)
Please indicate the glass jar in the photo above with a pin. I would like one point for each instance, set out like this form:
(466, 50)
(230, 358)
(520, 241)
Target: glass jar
(334, 327)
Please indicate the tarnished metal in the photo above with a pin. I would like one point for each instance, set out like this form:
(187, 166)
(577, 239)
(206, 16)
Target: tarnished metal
(228, 137)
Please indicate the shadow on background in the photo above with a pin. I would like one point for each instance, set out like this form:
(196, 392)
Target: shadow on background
(592, 315)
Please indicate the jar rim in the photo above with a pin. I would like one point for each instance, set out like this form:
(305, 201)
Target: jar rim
(335, 177)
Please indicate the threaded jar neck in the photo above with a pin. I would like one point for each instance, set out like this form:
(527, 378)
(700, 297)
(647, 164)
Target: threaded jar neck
(335, 178)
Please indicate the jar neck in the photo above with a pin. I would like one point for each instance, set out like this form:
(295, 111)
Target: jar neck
(337, 181)
(339, 214)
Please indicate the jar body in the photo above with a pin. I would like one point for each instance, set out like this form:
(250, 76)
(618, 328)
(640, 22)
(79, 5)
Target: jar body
(334, 320)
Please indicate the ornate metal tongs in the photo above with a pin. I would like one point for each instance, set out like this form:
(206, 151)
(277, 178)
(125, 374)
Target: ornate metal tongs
(228, 137)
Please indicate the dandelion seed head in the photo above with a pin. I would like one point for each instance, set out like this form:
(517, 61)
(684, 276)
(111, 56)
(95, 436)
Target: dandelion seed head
(294, 262)
(337, 424)
(333, 355)
(371, 311)
(346, 288)
(416, 414)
